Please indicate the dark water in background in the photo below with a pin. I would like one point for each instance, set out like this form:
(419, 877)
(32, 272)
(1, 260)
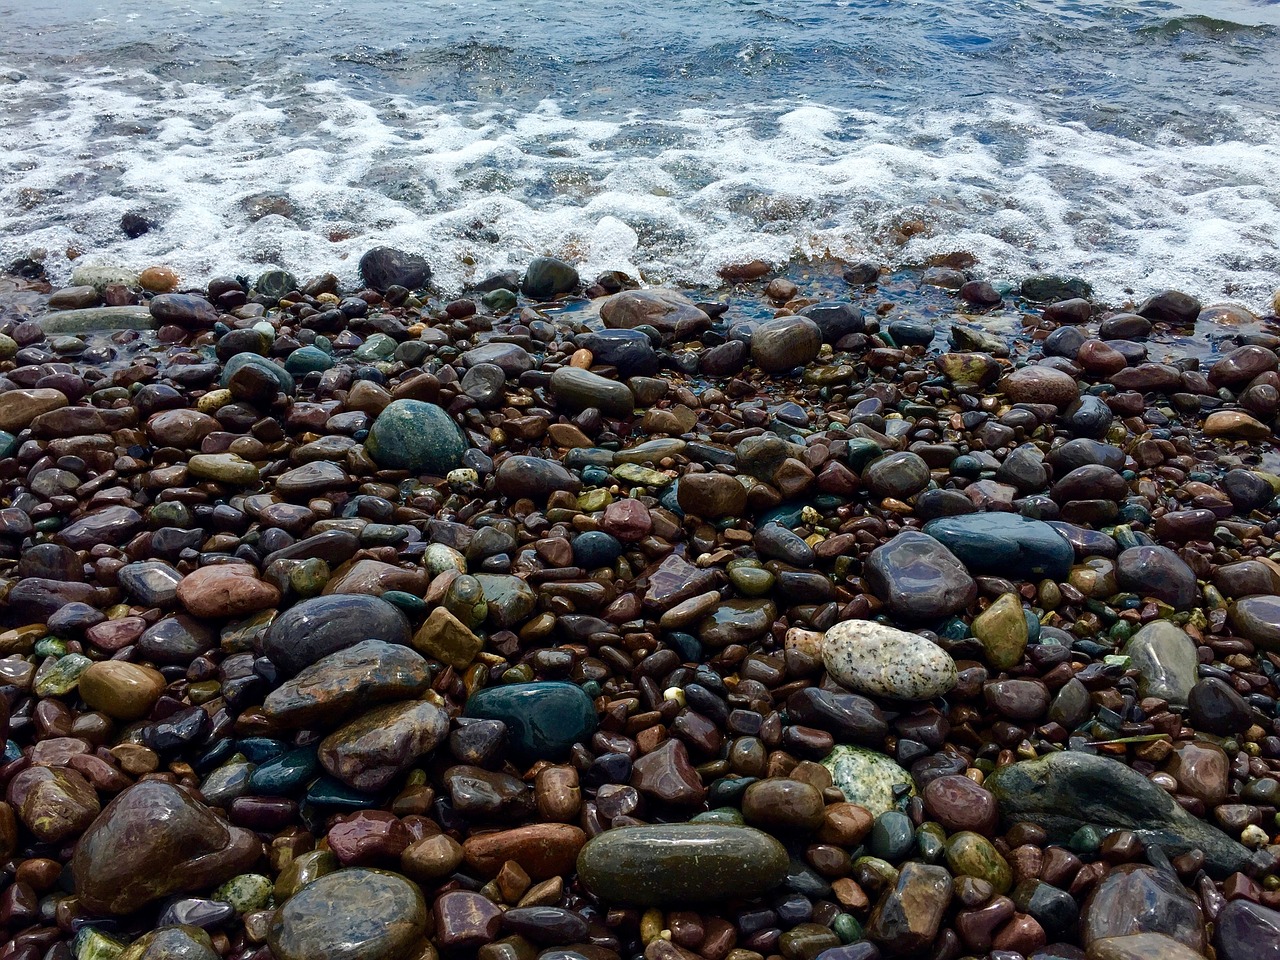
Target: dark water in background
(1134, 144)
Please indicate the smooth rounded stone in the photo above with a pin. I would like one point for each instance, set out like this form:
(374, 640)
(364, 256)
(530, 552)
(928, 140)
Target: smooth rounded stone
(542, 850)
(444, 637)
(178, 640)
(1157, 572)
(311, 480)
(711, 496)
(53, 803)
(1005, 544)
(226, 590)
(1247, 931)
(369, 672)
(370, 751)
(899, 475)
(96, 319)
(121, 690)
(1166, 661)
(579, 389)
(960, 804)
(123, 862)
(277, 374)
(547, 277)
(177, 942)
(223, 468)
(546, 925)
(737, 621)
(1247, 490)
(1040, 384)
(892, 837)
(1237, 425)
(544, 719)
(351, 914)
(1170, 306)
(1089, 417)
(1202, 770)
(1258, 620)
(19, 407)
(1141, 899)
(1064, 791)
(1141, 946)
(836, 319)
(630, 351)
(317, 627)
(970, 854)
(384, 267)
(784, 343)
(1214, 707)
(912, 332)
(483, 383)
(306, 360)
(509, 601)
(595, 549)
(534, 478)
(671, 314)
(774, 541)
(879, 660)
(656, 865)
(416, 436)
(850, 717)
(782, 804)
(1241, 365)
(909, 914)
(183, 310)
(918, 578)
(113, 525)
(868, 778)
(152, 583)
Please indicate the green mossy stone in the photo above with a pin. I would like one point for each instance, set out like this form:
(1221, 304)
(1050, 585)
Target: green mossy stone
(415, 436)
(544, 719)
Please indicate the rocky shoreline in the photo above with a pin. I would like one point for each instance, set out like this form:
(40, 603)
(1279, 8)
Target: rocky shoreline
(839, 614)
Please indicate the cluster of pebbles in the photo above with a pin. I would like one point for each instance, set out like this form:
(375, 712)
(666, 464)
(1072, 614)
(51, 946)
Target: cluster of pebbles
(844, 615)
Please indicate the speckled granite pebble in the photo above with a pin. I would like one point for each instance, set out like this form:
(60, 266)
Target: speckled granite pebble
(875, 659)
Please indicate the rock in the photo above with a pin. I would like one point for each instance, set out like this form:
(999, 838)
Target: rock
(1247, 931)
(908, 915)
(672, 315)
(465, 920)
(547, 277)
(1005, 544)
(1170, 306)
(918, 578)
(835, 319)
(711, 496)
(94, 319)
(878, 660)
(542, 850)
(959, 804)
(868, 778)
(1202, 771)
(53, 804)
(784, 343)
(183, 428)
(225, 468)
(666, 775)
(1141, 946)
(679, 863)
(1236, 425)
(274, 285)
(534, 478)
(352, 914)
(121, 690)
(369, 672)
(544, 719)
(1157, 572)
(370, 751)
(178, 942)
(445, 638)
(630, 351)
(123, 862)
(315, 628)
(226, 590)
(898, 475)
(1064, 791)
(384, 267)
(416, 436)
(1040, 384)
(183, 310)
(1166, 661)
(74, 298)
(781, 804)
(578, 389)
(1258, 620)
(19, 407)
(1141, 899)
(1216, 708)
(1241, 365)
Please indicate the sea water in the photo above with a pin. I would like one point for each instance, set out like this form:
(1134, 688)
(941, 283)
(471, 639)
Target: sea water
(1134, 144)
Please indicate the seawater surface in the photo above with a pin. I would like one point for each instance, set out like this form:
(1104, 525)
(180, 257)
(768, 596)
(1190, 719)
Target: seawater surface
(1134, 144)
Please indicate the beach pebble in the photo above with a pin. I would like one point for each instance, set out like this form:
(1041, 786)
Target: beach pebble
(879, 660)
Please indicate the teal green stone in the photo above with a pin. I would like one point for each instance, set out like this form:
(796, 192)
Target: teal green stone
(730, 815)
(1004, 544)
(1033, 626)
(378, 347)
(1087, 840)
(279, 373)
(329, 791)
(170, 513)
(406, 601)
(94, 319)
(892, 836)
(8, 443)
(861, 452)
(307, 360)
(847, 928)
(786, 514)
(284, 774)
(48, 524)
(50, 647)
(416, 436)
(63, 676)
(274, 284)
(544, 719)
(499, 301)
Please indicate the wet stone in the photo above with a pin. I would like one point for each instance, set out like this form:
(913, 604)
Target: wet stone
(1005, 545)
(874, 659)
(544, 719)
(908, 915)
(1140, 899)
(1166, 661)
(1157, 572)
(918, 578)
(371, 751)
(315, 628)
(868, 778)
(353, 914)
(416, 436)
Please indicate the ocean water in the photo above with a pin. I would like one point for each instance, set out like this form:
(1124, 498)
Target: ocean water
(1135, 144)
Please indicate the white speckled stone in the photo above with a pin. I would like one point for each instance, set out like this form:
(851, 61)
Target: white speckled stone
(882, 661)
(867, 778)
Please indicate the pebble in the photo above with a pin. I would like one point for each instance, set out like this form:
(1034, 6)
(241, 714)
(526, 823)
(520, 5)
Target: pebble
(353, 914)
(878, 660)
(918, 578)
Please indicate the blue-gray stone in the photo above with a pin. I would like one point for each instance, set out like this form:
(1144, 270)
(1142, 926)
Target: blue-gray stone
(416, 436)
(1004, 544)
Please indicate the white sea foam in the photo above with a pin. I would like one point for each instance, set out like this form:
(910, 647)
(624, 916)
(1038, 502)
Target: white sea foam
(669, 198)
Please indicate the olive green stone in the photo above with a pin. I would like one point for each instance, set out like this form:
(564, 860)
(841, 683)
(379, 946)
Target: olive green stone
(1002, 629)
(751, 581)
(641, 476)
(970, 854)
(249, 891)
(806, 941)
(868, 778)
(302, 870)
(63, 676)
(445, 638)
(91, 944)
(180, 942)
(441, 558)
(510, 599)
(223, 468)
(466, 601)
(681, 863)
(353, 914)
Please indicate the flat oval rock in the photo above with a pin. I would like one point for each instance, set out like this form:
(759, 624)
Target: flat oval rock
(544, 720)
(353, 914)
(315, 628)
(681, 863)
(1005, 545)
(879, 660)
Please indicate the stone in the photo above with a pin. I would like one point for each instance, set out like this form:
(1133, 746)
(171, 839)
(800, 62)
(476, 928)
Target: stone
(1064, 791)
(1258, 620)
(152, 583)
(666, 775)
(1247, 931)
(630, 351)
(970, 854)
(465, 920)
(542, 850)
(315, 628)
(177, 942)
(223, 468)
(113, 525)
(1142, 946)
(711, 496)
(352, 914)
(908, 915)
(868, 778)
(370, 751)
(898, 475)
(53, 803)
(226, 590)
(534, 477)
(544, 719)
(958, 804)
(1166, 661)
(835, 319)
(679, 863)
(384, 267)
(1005, 544)
(1157, 572)
(547, 277)
(671, 314)
(1141, 899)
(579, 389)
(122, 862)
(183, 310)
(1002, 631)
(19, 407)
(1236, 425)
(783, 343)
(121, 690)
(1202, 770)
(871, 658)
(918, 578)
(1040, 384)
(1170, 306)
(1214, 707)
(782, 804)
(416, 436)
(369, 672)
(444, 637)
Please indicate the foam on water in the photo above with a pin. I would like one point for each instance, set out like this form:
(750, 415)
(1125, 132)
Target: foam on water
(671, 197)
